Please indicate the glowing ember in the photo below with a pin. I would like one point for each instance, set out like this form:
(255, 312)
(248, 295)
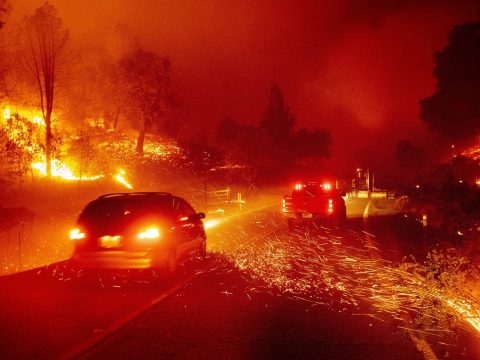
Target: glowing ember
(120, 177)
(337, 269)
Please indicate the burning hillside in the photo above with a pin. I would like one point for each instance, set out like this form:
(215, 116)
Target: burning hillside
(86, 156)
(472, 152)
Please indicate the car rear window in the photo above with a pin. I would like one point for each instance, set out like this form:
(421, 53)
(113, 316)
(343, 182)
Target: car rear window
(118, 208)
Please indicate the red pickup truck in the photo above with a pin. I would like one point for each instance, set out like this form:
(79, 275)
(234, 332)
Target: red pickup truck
(314, 201)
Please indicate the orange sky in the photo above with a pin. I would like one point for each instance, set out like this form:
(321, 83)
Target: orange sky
(357, 68)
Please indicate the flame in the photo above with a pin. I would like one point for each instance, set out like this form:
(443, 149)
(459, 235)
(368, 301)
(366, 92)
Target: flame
(33, 115)
(38, 120)
(120, 177)
(61, 170)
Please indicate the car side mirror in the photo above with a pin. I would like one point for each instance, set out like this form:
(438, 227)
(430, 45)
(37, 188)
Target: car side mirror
(200, 215)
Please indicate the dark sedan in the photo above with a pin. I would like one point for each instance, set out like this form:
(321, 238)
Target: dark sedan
(138, 230)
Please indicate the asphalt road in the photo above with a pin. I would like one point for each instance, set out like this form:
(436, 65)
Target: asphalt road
(262, 293)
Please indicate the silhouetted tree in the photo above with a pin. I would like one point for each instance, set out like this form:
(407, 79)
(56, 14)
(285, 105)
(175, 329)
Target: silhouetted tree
(454, 109)
(45, 41)
(276, 128)
(265, 152)
(277, 122)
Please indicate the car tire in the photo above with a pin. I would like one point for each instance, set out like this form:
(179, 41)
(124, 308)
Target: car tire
(342, 220)
(171, 265)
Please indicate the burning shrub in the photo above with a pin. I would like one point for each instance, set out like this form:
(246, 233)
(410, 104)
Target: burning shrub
(19, 146)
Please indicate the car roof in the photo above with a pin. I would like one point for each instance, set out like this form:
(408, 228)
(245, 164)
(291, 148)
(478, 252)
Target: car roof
(135, 194)
(134, 199)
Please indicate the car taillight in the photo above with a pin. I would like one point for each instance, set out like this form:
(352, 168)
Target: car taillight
(150, 235)
(77, 234)
(298, 186)
(330, 205)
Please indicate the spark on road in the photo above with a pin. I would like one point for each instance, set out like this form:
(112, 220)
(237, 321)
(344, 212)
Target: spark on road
(319, 267)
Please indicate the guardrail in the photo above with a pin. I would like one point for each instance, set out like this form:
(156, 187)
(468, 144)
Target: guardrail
(218, 196)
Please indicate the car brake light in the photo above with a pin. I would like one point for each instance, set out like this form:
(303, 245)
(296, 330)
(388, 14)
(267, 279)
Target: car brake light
(299, 186)
(330, 205)
(149, 235)
(77, 234)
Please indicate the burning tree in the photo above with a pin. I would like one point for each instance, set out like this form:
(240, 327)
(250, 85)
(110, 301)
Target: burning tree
(148, 78)
(45, 40)
(18, 146)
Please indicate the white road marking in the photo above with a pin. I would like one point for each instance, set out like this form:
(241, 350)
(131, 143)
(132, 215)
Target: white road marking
(365, 212)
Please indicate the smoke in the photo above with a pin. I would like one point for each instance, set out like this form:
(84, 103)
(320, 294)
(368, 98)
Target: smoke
(357, 68)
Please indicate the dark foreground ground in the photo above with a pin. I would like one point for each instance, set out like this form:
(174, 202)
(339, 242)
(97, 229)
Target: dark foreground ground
(223, 315)
(244, 302)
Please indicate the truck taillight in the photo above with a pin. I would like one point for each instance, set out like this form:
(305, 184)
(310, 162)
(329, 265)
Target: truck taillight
(330, 205)
(327, 186)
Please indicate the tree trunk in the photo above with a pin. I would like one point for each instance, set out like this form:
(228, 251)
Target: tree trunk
(48, 144)
(140, 141)
(141, 138)
(115, 120)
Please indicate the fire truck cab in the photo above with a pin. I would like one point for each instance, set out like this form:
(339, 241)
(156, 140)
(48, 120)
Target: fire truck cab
(314, 201)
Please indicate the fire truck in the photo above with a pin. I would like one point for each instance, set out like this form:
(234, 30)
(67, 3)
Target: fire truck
(315, 202)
